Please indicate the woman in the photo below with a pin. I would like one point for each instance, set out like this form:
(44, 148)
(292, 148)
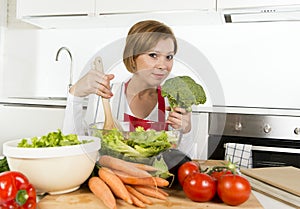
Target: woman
(148, 55)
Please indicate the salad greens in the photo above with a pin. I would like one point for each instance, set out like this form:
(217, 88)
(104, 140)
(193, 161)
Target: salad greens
(52, 139)
(139, 143)
(139, 146)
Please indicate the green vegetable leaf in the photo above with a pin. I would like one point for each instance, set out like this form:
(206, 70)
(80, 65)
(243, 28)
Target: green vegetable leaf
(162, 169)
(52, 139)
(139, 143)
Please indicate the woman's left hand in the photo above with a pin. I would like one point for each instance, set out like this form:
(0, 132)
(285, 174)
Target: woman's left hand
(179, 118)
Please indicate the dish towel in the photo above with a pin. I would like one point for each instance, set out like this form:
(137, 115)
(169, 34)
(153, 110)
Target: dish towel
(241, 154)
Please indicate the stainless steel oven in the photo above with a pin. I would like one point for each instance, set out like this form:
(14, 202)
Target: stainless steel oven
(275, 139)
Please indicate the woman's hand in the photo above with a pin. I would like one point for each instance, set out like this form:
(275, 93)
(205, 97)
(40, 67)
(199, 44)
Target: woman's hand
(179, 118)
(94, 82)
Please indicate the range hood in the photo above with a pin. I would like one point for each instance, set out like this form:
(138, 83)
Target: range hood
(262, 14)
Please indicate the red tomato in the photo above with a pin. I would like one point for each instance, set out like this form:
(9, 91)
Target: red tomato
(218, 174)
(185, 169)
(199, 187)
(233, 189)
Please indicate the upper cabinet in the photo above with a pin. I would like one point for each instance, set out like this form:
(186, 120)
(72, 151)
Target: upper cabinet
(34, 8)
(107, 13)
(133, 6)
(237, 4)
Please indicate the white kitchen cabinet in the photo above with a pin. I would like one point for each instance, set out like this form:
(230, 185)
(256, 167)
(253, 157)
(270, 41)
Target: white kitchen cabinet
(238, 4)
(31, 8)
(131, 6)
(110, 13)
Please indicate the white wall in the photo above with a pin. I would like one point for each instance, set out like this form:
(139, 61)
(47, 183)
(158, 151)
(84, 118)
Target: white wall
(2, 32)
(256, 64)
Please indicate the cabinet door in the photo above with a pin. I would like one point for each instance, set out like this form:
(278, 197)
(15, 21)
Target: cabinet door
(232, 4)
(130, 6)
(32, 8)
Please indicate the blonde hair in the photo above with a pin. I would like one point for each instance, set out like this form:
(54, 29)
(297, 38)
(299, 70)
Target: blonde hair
(142, 37)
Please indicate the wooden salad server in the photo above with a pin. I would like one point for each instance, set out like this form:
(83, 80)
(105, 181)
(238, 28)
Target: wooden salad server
(110, 121)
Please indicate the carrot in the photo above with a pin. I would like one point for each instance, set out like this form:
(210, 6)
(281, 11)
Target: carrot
(138, 195)
(143, 166)
(151, 181)
(122, 165)
(137, 202)
(150, 191)
(115, 184)
(162, 191)
(102, 191)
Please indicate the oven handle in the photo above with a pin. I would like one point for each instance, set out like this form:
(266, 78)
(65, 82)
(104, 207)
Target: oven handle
(276, 149)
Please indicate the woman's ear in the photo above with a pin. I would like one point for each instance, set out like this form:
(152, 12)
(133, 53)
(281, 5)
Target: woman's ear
(133, 66)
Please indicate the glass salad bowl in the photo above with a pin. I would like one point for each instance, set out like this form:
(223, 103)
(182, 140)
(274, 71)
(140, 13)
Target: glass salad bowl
(136, 140)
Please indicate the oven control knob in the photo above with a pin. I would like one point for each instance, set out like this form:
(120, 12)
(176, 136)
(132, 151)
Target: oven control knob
(267, 128)
(238, 126)
(297, 131)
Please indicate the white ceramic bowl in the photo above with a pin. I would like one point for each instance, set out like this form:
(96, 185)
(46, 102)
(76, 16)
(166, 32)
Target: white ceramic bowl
(54, 170)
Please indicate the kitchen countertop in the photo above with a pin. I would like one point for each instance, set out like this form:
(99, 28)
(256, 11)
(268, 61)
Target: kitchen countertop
(46, 101)
(36, 101)
(61, 101)
(176, 199)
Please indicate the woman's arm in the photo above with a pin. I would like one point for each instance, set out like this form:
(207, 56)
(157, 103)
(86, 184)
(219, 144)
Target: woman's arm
(73, 120)
(94, 82)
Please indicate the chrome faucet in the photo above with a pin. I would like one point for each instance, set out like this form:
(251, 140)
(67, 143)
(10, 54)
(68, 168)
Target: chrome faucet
(71, 63)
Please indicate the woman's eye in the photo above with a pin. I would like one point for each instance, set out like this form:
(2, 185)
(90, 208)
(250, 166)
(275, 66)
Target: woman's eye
(170, 57)
(154, 55)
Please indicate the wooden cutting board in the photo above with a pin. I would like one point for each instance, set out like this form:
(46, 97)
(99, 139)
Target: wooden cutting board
(285, 178)
(84, 199)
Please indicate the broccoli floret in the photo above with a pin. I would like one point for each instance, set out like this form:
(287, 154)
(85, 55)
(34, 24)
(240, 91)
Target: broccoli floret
(183, 91)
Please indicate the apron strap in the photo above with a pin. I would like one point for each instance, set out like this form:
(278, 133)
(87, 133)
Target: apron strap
(135, 122)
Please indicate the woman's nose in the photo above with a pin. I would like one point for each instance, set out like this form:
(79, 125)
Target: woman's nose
(162, 63)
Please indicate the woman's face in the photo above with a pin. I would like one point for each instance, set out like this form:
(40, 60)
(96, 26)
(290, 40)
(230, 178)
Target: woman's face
(153, 66)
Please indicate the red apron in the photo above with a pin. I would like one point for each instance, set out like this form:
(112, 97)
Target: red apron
(160, 125)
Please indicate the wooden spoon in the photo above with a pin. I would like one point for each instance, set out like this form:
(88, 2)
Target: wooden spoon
(109, 122)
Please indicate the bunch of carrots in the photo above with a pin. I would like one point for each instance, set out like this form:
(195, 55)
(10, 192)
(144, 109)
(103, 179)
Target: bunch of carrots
(128, 181)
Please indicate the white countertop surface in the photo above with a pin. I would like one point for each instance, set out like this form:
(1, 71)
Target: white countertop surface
(61, 101)
(52, 101)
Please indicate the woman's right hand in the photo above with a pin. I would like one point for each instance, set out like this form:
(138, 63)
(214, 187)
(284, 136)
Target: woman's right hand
(94, 82)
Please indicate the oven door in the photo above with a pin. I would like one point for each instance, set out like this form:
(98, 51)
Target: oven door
(275, 140)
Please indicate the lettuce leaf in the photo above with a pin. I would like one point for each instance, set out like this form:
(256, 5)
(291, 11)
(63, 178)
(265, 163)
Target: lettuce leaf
(52, 139)
(139, 143)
